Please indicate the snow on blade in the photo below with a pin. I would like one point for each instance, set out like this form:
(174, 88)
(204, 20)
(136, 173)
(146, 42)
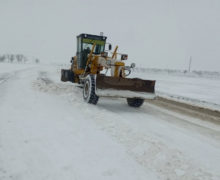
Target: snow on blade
(124, 94)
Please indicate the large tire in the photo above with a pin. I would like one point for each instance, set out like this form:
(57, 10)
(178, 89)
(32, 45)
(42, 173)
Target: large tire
(89, 90)
(135, 102)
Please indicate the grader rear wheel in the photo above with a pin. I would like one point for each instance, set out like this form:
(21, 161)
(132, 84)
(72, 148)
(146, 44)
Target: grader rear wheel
(135, 102)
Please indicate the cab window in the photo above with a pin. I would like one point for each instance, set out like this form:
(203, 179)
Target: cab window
(88, 43)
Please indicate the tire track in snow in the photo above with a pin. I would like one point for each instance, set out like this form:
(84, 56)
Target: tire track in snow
(45, 84)
(203, 113)
(4, 77)
(198, 104)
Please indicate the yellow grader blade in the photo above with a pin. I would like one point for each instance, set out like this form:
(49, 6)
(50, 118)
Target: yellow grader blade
(124, 87)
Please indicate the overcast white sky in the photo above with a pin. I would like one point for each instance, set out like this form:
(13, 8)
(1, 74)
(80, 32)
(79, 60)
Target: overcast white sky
(155, 33)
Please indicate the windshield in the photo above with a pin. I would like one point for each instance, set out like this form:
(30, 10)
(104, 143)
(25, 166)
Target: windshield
(88, 43)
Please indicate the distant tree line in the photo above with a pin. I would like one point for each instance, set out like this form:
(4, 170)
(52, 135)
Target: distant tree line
(15, 58)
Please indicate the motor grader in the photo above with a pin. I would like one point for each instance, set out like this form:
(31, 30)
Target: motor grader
(102, 74)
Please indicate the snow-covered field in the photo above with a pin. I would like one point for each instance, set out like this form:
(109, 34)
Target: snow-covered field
(48, 132)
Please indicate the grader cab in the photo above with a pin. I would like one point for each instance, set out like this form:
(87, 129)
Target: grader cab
(102, 74)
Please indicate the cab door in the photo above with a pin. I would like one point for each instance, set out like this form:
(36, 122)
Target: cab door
(79, 52)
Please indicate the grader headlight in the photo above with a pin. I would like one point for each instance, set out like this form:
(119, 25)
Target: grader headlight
(124, 57)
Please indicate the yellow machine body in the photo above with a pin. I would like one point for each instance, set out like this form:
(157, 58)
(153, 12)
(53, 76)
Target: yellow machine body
(88, 66)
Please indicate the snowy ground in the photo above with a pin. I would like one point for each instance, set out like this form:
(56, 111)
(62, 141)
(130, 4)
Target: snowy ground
(48, 132)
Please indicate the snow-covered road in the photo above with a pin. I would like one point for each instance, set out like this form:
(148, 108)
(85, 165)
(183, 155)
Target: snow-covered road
(48, 132)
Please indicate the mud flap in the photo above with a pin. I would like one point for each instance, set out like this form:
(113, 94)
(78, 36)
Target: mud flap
(124, 87)
(67, 75)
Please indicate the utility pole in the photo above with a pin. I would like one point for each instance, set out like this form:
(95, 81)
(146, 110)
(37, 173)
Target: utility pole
(190, 62)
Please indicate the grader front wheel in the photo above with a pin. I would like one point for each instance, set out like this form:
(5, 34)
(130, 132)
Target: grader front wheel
(89, 90)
